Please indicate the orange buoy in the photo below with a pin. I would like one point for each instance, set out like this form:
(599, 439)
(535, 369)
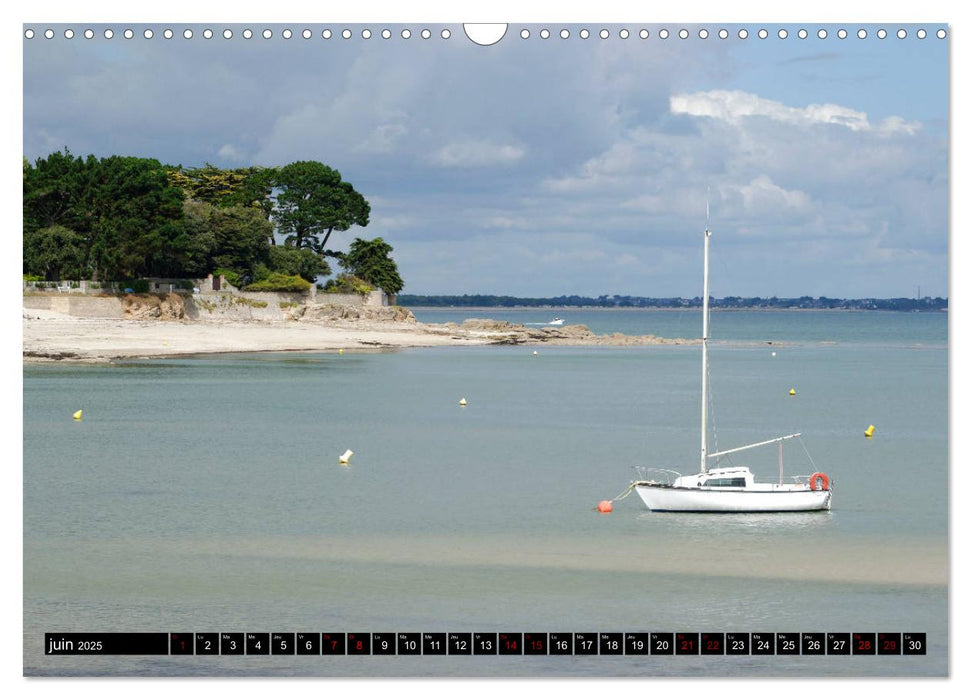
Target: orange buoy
(605, 506)
(815, 479)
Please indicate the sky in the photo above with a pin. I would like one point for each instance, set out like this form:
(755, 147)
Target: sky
(540, 167)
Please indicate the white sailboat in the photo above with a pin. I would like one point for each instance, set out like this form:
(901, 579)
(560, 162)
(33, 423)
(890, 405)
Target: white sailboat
(728, 489)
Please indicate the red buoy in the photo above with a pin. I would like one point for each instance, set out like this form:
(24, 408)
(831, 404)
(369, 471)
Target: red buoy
(605, 506)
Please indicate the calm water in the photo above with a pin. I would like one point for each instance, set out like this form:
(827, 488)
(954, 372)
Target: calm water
(887, 328)
(204, 494)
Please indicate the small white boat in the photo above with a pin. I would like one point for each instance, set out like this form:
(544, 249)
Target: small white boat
(728, 489)
(557, 321)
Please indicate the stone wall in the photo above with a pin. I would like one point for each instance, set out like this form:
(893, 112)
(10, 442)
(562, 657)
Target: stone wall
(374, 299)
(77, 305)
(244, 306)
(205, 306)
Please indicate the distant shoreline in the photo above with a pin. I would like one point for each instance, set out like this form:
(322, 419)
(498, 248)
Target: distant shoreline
(730, 309)
(623, 301)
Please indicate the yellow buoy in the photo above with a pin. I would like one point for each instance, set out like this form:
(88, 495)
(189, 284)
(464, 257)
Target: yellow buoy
(792, 392)
(462, 401)
(341, 351)
(345, 458)
(869, 431)
(77, 415)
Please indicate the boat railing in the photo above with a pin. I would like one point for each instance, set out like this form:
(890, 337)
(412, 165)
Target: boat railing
(656, 475)
(805, 478)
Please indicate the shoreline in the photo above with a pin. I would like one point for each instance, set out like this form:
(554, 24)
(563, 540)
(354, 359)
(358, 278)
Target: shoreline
(667, 309)
(50, 336)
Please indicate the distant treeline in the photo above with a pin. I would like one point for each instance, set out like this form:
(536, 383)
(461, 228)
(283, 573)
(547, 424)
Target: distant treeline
(617, 301)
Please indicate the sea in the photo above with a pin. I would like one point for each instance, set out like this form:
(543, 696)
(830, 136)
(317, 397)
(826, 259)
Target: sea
(205, 495)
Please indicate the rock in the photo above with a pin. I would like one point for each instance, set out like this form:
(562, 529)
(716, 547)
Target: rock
(172, 308)
(506, 333)
(138, 307)
(339, 312)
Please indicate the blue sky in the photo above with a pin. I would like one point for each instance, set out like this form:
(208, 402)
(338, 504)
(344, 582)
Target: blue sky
(538, 167)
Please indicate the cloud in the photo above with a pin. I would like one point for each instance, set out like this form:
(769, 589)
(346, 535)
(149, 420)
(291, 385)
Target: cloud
(733, 106)
(231, 153)
(384, 138)
(476, 154)
(761, 194)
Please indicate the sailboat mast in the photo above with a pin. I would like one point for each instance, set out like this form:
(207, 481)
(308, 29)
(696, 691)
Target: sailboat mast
(704, 364)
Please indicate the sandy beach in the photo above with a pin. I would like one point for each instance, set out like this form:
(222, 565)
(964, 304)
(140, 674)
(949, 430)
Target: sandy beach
(53, 336)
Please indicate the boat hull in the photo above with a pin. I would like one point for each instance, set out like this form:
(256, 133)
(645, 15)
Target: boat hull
(695, 500)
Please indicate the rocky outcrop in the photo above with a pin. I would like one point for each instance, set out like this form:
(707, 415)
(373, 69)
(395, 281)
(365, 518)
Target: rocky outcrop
(578, 334)
(338, 312)
(170, 307)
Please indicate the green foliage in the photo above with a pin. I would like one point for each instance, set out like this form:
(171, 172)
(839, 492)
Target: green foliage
(122, 218)
(243, 187)
(137, 286)
(275, 282)
(241, 239)
(53, 253)
(54, 189)
(346, 283)
(297, 261)
(233, 240)
(198, 239)
(140, 219)
(313, 201)
(255, 303)
(33, 278)
(372, 262)
(231, 276)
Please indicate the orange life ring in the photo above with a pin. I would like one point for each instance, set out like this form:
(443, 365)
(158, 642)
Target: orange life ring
(819, 476)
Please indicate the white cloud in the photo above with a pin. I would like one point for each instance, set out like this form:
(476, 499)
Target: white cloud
(762, 195)
(474, 153)
(733, 106)
(230, 152)
(383, 138)
(394, 222)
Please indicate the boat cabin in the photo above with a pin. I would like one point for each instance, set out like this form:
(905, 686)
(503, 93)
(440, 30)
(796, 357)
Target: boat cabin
(729, 477)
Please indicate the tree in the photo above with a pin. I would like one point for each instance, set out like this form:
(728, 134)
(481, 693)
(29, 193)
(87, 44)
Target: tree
(198, 241)
(53, 191)
(371, 261)
(54, 252)
(139, 218)
(244, 187)
(297, 261)
(241, 238)
(312, 202)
